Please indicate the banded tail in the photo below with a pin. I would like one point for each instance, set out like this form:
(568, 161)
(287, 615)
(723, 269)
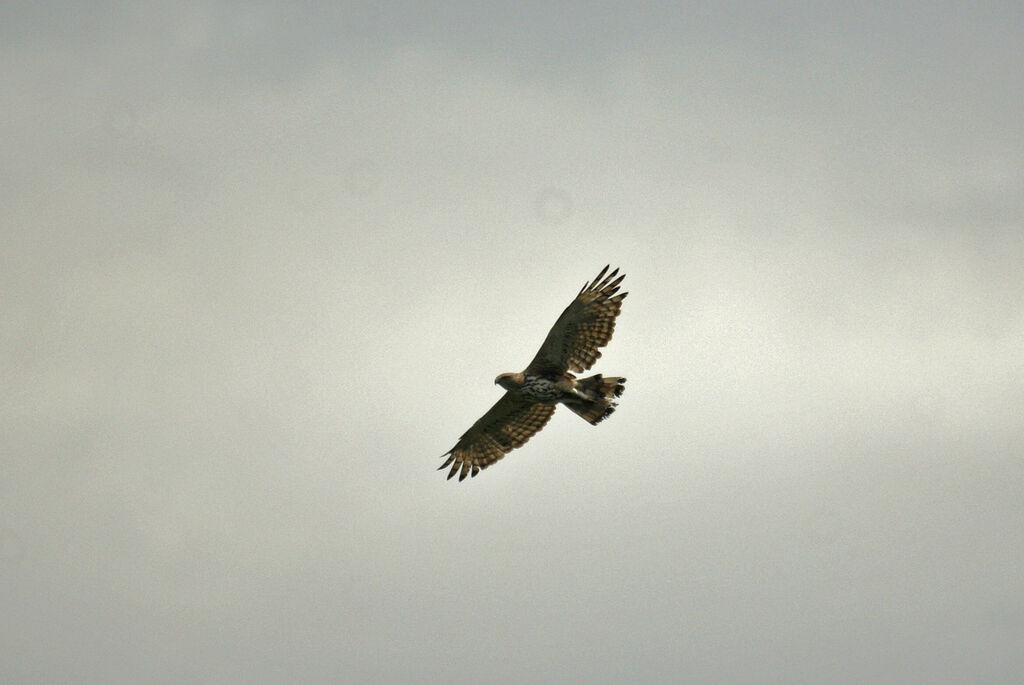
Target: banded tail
(599, 402)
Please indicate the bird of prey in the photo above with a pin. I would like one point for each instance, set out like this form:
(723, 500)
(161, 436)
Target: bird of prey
(531, 395)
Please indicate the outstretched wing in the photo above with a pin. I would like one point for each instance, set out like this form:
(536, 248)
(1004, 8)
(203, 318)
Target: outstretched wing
(586, 325)
(507, 425)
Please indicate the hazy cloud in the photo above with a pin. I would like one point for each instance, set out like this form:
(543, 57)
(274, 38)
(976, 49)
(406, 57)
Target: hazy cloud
(262, 264)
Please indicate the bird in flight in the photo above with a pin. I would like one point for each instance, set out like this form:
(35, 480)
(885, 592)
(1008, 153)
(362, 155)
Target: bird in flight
(531, 395)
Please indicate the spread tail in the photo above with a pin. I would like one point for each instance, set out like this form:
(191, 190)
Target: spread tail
(598, 401)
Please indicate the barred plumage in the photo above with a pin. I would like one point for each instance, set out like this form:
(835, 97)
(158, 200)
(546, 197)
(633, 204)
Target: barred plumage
(573, 343)
(508, 425)
(540, 388)
(586, 325)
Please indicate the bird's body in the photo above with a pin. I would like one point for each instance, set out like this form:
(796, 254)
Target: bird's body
(545, 389)
(532, 395)
(565, 389)
(540, 388)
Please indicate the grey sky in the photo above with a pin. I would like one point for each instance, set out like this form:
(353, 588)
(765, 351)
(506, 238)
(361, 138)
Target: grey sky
(262, 264)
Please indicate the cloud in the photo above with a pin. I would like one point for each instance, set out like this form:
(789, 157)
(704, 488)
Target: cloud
(263, 264)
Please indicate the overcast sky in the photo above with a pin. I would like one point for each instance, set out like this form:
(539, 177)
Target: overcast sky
(261, 265)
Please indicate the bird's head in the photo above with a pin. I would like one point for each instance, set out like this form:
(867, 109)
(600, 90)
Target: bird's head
(509, 381)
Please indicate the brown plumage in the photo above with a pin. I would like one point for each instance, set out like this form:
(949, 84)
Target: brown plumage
(572, 344)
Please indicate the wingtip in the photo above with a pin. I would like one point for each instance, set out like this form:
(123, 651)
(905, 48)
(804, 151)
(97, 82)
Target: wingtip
(449, 460)
(610, 281)
(605, 280)
(598, 283)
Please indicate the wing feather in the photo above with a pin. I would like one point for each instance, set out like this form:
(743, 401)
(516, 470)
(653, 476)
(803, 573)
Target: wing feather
(512, 421)
(585, 326)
